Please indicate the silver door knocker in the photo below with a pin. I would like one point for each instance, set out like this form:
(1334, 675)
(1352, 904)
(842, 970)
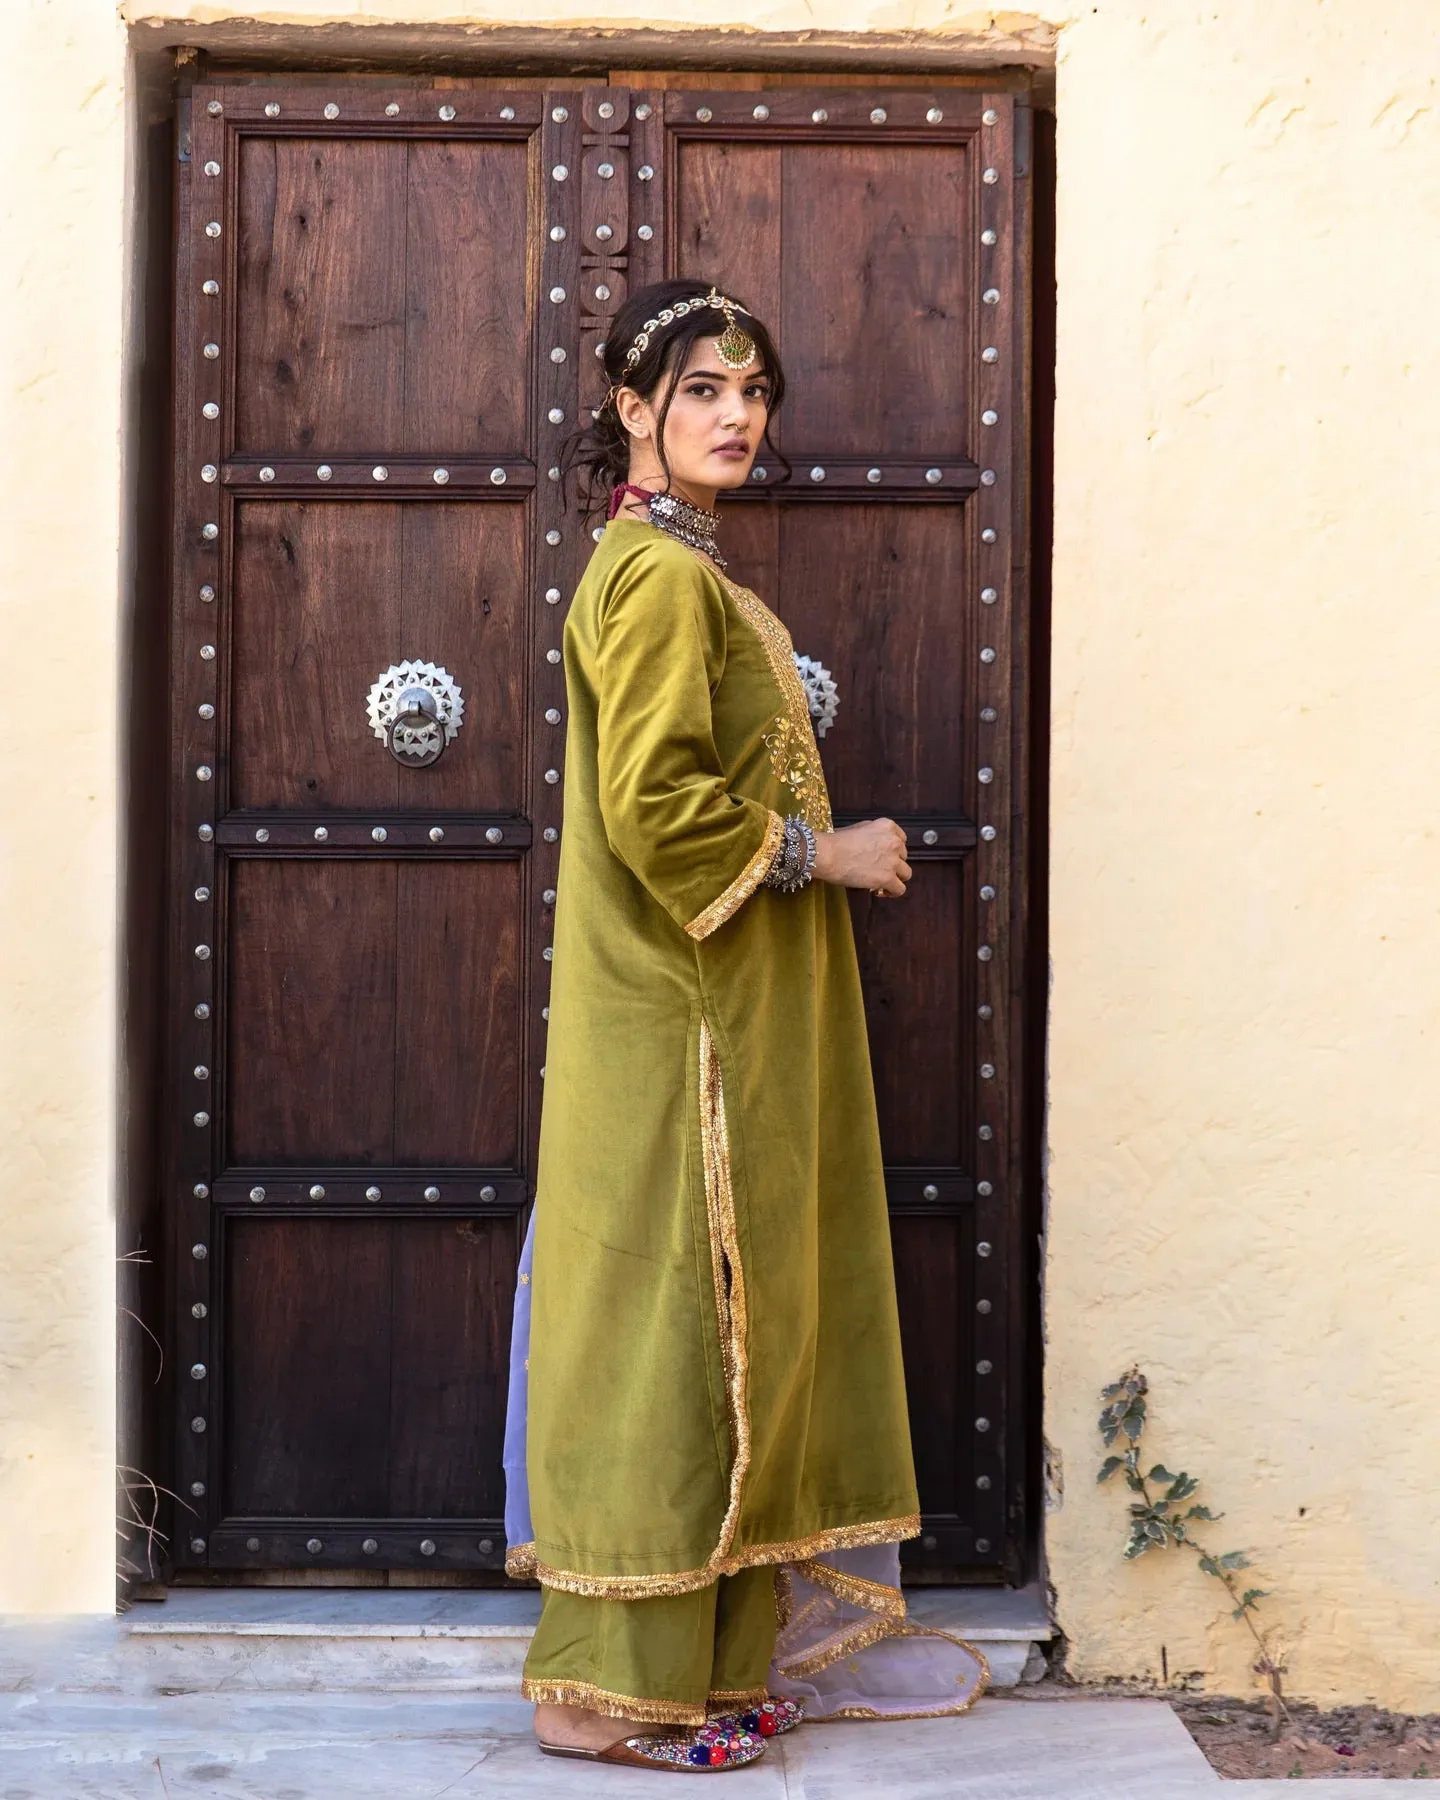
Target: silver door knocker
(415, 710)
(820, 691)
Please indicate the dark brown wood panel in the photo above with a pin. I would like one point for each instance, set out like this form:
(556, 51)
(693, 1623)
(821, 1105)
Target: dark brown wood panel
(878, 595)
(457, 1046)
(452, 1294)
(932, 1259)
(467, 325)
(874, 300)
(327, 595)
(316, 616)
(320, 311)
(463, 605)
(878, 300)
(311, 1012)
(916, 1007)
(367, 1359)
(309, 1349)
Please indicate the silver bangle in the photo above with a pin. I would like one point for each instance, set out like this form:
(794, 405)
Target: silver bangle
(795, 859)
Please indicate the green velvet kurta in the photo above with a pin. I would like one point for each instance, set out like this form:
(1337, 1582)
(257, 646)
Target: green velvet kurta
(715, 1377)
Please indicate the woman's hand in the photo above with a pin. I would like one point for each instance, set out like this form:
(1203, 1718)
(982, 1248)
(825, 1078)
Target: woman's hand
(868, 855)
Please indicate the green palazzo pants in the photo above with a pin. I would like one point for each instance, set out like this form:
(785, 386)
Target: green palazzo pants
(669, 1661)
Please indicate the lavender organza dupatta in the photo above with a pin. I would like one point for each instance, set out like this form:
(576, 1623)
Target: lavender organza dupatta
(845, 1647)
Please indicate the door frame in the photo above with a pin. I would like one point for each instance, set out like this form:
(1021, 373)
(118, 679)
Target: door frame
(147, 1398)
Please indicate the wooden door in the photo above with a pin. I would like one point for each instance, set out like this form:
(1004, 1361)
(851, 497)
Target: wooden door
(388, 300)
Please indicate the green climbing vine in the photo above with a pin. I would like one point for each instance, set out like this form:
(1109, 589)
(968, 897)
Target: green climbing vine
(1160, 1518)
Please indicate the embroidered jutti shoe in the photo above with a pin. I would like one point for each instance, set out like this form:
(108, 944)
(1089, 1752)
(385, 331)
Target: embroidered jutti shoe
(706, 1749)
(772, 1717)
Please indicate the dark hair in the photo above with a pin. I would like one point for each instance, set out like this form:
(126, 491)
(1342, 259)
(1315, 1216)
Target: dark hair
(600, 450)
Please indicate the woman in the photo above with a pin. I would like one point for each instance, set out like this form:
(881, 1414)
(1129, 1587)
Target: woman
(707, 1407)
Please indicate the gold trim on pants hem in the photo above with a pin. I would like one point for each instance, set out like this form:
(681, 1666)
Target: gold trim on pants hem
(724, 1700)
(613, 1706)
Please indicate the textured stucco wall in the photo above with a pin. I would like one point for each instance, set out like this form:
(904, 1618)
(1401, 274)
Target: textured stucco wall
(62, 223)
(1246, 870)
(1244, 1033)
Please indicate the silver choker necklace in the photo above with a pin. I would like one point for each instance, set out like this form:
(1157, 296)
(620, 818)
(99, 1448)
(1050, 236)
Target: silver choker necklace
(692, 525)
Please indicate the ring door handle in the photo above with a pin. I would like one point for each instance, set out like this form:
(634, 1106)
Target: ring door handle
(415, 709)
(408, 735)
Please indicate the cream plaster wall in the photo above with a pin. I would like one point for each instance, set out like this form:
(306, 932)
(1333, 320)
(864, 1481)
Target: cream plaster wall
(1246, 868)
(62, 228)
(1246, 997)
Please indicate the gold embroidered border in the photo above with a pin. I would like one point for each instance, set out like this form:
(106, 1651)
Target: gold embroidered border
(724, 1700)
(794, 754)
(845, 1642)
(744, 884)
(933, 1712)
(825, 1656)
(520, 1561)
(725, 1258)
(641, 1587)
(874, 1596)
(614, 1706)
(784, 1599)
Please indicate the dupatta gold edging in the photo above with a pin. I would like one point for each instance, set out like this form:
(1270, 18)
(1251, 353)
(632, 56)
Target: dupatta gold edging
(886, 1605)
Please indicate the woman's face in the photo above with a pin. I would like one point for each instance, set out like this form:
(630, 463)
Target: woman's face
(712, 430)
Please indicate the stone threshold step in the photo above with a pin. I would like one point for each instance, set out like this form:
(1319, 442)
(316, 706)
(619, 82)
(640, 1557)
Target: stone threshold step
(445, 1640)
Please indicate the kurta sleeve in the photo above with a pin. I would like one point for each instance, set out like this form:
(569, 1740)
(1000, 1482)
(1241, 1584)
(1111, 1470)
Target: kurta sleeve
(700, 850)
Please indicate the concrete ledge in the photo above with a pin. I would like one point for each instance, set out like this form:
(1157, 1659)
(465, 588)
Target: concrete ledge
(386, 1641)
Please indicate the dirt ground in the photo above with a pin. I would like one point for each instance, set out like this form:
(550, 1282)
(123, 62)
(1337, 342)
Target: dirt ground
(1354, 1743)
(1358, 1743)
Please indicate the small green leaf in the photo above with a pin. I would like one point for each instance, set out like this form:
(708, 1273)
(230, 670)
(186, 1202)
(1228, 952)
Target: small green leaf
(1209, 1565)
(1109, 1466)
(1133, 1481)
(1203, 1512)
(1183, 1486)
(1160, 1473)
(1234, 1559)
(1134, 1423)
(1251, 1595)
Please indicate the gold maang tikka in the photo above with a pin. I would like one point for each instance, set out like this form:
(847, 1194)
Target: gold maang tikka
(735, 346)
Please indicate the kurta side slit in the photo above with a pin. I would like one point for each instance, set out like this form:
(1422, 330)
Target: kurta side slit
(714, 1372)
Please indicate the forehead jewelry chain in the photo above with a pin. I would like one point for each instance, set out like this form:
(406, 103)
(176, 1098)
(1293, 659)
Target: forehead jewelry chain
(735, 346)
